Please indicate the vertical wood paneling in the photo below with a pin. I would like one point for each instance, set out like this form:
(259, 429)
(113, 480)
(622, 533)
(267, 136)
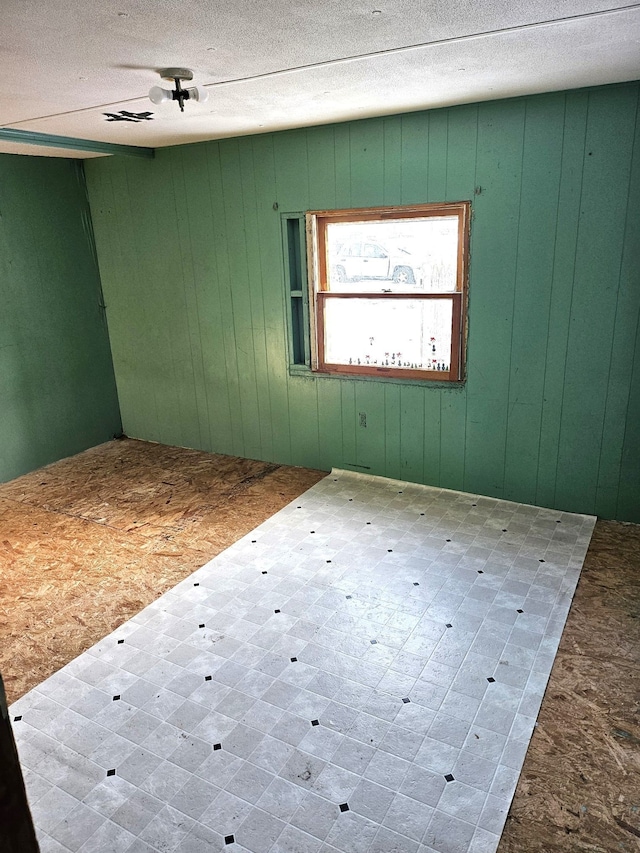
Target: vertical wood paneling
(495, 225)
(137, 226)
(541, 161)
(392, 463)
(437, 158)
(415, 158)
(238, 237)
(615, 467)
(57, 387)
(548, 412)
(292, 170)
(191, 214)
(367, 162)
(292, 188)
(175, 396)
(342, 177)
(322, 168)
(228, 356)
(462, 143)
(273, 307)
(411, 432)
(603, 210)
(330, 443)
(432, 436)
(193, 405)
(370, 439)
(348, 410)
(561, 294)
(211, 371)
(453, 422)
(163, 305)
(257, 334)
(392, 180)
(108, 240)
(304, 426)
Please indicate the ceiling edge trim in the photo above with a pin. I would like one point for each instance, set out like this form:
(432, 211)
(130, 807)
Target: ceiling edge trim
(31, 137)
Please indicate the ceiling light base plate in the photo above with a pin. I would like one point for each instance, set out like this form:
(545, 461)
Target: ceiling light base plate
(176, 73)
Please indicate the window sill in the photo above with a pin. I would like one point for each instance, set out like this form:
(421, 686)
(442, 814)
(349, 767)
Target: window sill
(303, 372)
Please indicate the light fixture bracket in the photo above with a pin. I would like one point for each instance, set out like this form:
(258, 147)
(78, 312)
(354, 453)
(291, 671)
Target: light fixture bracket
(178, 94)
(176, 73)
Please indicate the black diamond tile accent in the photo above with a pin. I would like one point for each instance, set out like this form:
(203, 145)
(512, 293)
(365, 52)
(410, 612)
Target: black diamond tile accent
(448, 625)
(120, 642)
(229, 839)
(389, 550)
(504, 529)
(480, 571)
(406, 700)
(315, 722)
(373, 642)
(328, 561)
(17, 719)
(312, 531)
(201, 625)
(447, 540)
(350, 499)
(368, 522)
(421, 513)
(541, 561)
(115, 698)
(298, 507)
(344, 807)
(449, 777)
(348, 596)
(111, 772)
(490, 680)
(400, 493)
(253, 541)
(519, 611)
(196, 584)
(207, 678)
(415, 583)
(276, 611)
(217, 746)
(474, 504)
(558, 521)
(264, 573)
(294, 660)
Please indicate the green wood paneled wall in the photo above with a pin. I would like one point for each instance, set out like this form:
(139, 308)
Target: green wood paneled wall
(57, 388)
(192, 265)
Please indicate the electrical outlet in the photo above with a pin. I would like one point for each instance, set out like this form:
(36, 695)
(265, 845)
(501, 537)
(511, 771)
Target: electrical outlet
(363, 419)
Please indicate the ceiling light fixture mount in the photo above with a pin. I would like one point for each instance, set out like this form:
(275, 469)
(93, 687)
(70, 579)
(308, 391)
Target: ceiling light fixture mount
(158, 95)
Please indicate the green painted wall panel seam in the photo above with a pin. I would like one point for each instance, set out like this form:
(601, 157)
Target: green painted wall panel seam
(573, 284)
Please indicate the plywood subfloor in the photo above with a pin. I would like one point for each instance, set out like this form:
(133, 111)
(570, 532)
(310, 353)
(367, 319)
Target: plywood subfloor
(89, 541)
(580, 785)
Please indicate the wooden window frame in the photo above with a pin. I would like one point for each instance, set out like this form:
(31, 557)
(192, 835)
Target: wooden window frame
(319, 293)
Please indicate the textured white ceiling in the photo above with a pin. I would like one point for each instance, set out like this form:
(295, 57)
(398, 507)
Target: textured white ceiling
(273, 64)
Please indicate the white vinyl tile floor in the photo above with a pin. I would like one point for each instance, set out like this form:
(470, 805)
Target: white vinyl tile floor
(360, 674)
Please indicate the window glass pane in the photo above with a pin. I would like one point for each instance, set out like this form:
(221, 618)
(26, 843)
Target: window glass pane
(394, 333)
(393, 255)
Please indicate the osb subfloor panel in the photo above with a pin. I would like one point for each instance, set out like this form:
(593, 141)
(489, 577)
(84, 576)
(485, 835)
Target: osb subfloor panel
(89, 541)
(579, 789)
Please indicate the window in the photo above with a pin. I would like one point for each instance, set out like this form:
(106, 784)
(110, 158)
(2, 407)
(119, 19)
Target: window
(387, 291)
